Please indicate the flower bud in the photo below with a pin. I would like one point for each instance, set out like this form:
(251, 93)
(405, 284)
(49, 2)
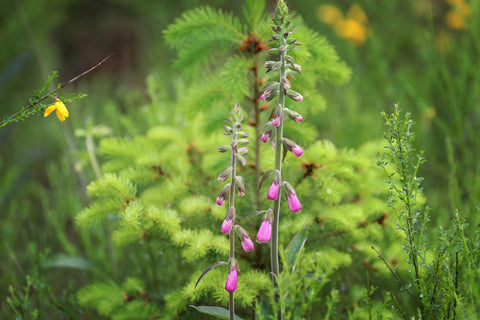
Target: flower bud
(228, 221)
(243, 141)
(294, 95)
(243, 151)
(272, 193)
(241, 160)
(265, 232)
(222, 196)
(285, 83)
(294, 115)
(266, 134)
(231, 283)
(224, 175)
(293, 203)
(224, 148)
(272, 51)
(292, 147)
(228, 130)
(246, 242)
(277, 117)
(241, 185)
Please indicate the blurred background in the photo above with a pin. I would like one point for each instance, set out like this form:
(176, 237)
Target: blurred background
(421, 54)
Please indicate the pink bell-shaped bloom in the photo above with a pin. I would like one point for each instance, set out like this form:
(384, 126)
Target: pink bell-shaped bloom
(228, 222)
(293, 203)
(231, 284)
(266, 135)
(222, 196)
(265, 232)
(294, 95)
(297, 150)
(272, 193)
(276, 119)
(293, 147)
(246, 242)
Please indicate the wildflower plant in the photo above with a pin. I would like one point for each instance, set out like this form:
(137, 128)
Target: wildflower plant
(283, 70)
(236, 185)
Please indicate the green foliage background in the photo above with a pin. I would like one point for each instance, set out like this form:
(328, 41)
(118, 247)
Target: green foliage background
(154, 117)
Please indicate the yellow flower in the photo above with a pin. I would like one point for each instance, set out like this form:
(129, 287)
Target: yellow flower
(353, 27)
(62, 111)
(329, 14)
(352, 30)
(455, 18)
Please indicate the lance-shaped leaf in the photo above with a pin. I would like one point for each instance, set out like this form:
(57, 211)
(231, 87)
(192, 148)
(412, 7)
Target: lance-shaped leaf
(265, 176)
(295, 247)
(210, 267)
(219, 312)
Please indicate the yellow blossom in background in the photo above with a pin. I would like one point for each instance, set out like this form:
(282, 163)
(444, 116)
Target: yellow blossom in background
(329, 14)
(356, 13)
(62, 111)
(455, 18)
(353, 26)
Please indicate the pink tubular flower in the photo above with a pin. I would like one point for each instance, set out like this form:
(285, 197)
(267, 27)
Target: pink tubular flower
(292, 147)
(272, 193)
(276, 119)
(294, 115)
(247, 243)
(222, 196)
(265, 95)
(297, 151)
(228, 222)
(293, 203)
(294, 95)
(266, 135)
(231, 284)
(265, 232)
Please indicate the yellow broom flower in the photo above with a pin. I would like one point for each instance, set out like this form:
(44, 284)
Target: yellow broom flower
(62, 111)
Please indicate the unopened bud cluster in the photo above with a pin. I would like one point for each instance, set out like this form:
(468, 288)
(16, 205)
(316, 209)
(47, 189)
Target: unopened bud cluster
(236, 185)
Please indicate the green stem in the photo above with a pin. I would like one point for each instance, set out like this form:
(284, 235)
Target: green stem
(231, 204)
(91, 154)
(278, 166)
(256, 108)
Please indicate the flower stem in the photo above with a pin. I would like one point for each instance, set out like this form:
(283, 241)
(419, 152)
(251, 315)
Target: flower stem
(231, 203)
(278, 166)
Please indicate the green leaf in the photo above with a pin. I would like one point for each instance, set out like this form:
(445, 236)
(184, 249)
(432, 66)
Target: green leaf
(64, 261)
(295, 247)
(220, 313)
(210, 267)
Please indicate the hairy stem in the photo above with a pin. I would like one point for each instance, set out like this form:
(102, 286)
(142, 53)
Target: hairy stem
(278, 166)
(231, 204)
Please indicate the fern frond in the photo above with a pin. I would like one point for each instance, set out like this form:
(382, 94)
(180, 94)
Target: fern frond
(197, 243)
(94, 214)
(235, 77)
(195, 206)
(167, 220)
(130, 218)
(122, 237)
(112, 185)
(200, 30)
(195, 23)
(105, 297)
